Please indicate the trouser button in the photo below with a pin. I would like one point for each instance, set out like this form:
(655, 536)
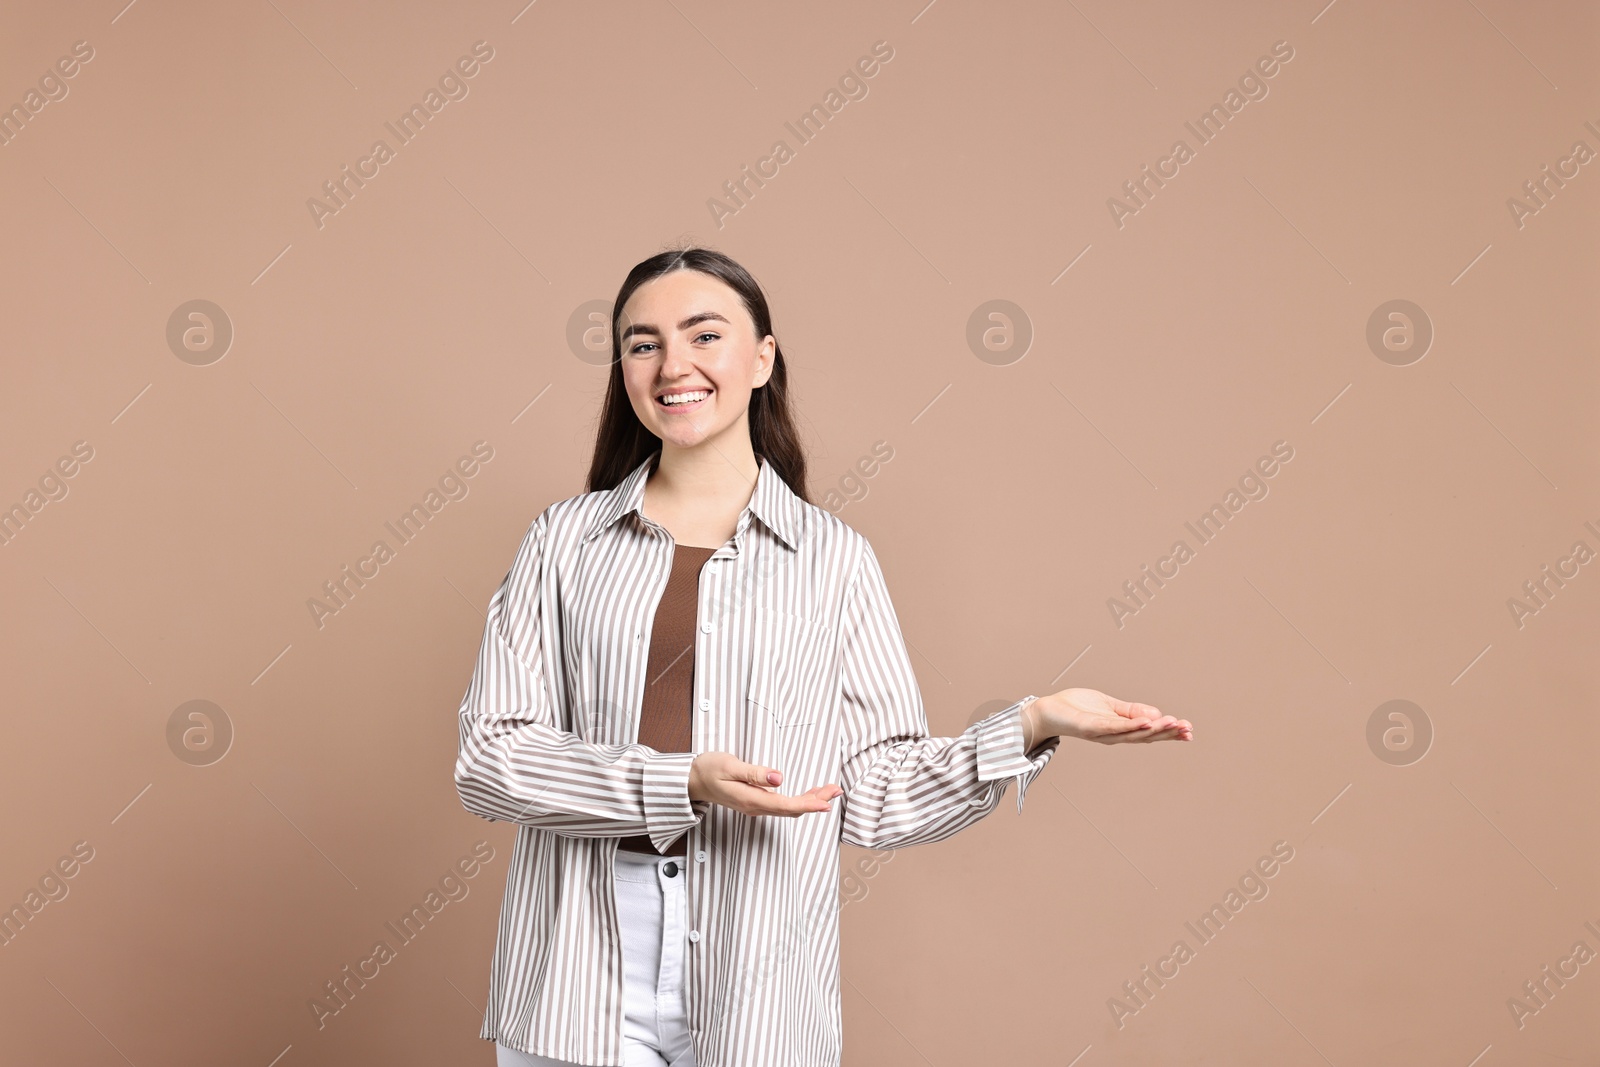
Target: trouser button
(671, 869)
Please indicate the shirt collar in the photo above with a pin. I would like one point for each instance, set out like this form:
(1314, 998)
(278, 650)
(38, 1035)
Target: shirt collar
(773, 502)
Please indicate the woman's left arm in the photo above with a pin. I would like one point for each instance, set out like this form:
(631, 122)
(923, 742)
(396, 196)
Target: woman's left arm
(901, 786)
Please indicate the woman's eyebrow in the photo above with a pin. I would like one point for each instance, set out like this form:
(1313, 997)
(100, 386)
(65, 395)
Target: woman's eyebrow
(698, 317)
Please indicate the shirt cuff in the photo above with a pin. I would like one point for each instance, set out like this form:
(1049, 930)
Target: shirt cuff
(668, 812)
(1000, 752)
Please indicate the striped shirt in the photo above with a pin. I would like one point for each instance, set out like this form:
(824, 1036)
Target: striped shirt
(800, 666)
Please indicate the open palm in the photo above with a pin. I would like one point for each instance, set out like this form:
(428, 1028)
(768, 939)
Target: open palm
(1095, 716)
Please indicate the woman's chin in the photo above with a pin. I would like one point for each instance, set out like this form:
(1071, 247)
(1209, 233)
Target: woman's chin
(680, 436)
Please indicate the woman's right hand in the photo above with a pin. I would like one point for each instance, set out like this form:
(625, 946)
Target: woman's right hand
(723, 778)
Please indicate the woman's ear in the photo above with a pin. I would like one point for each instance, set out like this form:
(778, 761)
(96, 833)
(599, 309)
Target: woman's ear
(766, 359)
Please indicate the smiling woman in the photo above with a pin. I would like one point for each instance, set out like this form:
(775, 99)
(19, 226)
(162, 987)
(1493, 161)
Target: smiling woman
(698, 375)
(692, 691)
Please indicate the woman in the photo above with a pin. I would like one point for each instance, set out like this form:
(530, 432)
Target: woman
(692, 688)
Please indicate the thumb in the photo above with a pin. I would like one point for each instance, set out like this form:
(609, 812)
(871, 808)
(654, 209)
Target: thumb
(762, 776)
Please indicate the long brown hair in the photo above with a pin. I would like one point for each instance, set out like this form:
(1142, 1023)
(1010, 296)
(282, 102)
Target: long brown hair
(621, 440)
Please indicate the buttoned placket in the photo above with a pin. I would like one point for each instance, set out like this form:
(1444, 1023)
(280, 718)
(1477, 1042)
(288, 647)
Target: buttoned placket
(698, 738)
(700, 731)
(646, 630)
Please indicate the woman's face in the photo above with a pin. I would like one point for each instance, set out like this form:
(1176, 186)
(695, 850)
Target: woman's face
(687, 334)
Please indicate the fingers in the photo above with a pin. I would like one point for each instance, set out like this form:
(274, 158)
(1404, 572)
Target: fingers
(778, 804)
(818, 799)
(812, 800)
(1162, 722)
(764, 778)
(1175, 729)
(1161, 728)
(752, 788)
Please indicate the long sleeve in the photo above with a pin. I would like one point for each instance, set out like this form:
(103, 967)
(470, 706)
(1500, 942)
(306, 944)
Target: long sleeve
(902, 787)
(515, 764)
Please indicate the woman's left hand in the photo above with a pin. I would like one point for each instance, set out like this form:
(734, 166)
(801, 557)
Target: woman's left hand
(1094, 716)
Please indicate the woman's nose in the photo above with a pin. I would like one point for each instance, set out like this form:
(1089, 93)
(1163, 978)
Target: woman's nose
(674, 361)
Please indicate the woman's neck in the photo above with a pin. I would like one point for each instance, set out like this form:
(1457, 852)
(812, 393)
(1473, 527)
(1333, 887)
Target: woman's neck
(697, 493)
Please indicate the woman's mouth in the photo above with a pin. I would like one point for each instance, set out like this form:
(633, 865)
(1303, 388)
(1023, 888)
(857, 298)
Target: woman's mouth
(687, 400)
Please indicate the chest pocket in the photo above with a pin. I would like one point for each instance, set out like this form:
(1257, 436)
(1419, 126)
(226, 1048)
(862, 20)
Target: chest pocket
(790, 672)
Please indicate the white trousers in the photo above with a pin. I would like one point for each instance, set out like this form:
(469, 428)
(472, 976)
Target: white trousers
(653, 909)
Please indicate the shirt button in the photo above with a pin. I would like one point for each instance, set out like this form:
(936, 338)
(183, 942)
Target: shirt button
(705, 627)
(700, 856)
(694, 935)
(705, 705)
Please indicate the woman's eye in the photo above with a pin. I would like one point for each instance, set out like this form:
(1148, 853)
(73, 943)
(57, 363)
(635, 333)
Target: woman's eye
(639, 349)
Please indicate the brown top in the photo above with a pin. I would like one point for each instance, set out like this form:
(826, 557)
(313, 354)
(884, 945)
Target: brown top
(664, 718)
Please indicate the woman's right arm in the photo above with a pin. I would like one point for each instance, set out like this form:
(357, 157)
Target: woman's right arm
(516, 764)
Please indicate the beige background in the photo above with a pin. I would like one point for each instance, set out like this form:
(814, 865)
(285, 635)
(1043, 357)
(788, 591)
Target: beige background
(433, 311)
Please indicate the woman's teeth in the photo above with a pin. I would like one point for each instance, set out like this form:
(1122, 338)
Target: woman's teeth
(685, 398)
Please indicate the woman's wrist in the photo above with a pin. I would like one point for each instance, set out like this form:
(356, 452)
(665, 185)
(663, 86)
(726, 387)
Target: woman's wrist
(1033, 727)
(693, 784)
(1037, 723)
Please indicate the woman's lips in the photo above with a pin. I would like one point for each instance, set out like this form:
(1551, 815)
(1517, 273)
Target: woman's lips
(690, 405)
